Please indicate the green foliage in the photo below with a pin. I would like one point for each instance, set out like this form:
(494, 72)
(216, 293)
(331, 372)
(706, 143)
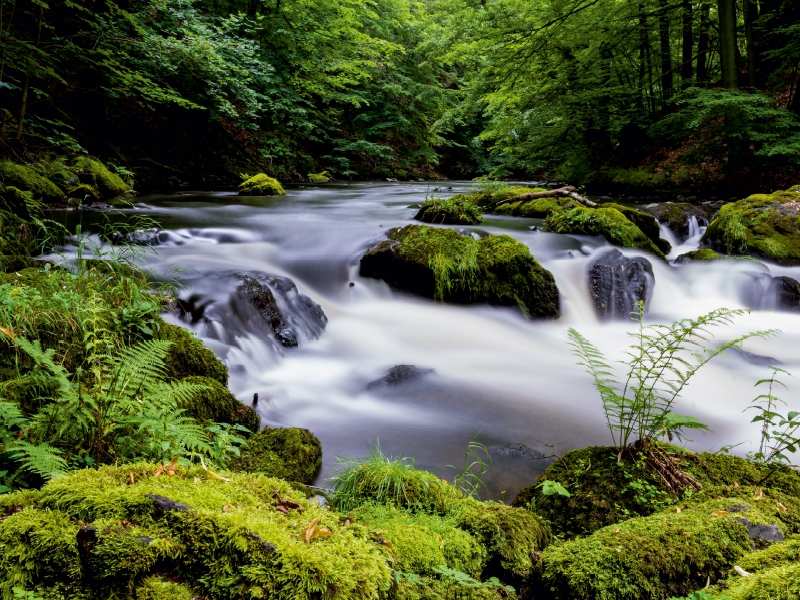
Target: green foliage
(477, 461)
(26, 179)
(289, 453)
(189, 357)
(387, 479)
(95, 174)
(443, 264)
(550, 488)
(660, 364)
(784, 437)
(214, 403)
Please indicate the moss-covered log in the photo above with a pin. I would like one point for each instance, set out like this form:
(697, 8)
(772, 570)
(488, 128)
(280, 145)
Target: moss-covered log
(443, 264)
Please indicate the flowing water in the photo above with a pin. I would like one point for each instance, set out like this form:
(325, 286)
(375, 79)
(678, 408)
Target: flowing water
(512, 380)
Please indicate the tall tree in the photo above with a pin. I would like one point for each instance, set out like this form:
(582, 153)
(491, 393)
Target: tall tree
(749, 9)
(666, 52)
(687, 46)
(728, 55)
(702, 43)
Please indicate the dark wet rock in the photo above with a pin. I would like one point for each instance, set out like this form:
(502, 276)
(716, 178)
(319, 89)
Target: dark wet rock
(444, 265)
(762, 291)
(617, 283)
(263, 300)
(739, 508)
(164, 505)
(399, 375)
(762, 533)
(266, 546)
(678, 217)
(520, 450)
(786, 292)
(140, 237)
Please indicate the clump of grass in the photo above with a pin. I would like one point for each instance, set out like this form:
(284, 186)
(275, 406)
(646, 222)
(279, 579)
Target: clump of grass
(458, 210)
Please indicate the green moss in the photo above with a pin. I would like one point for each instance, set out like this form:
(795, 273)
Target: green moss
(645, 222)
(654, 557)
(422, 543)
(510, 535)
(39, 551)
(26, 179)
(11, 263)
(728, 470)
(289, 453)
(774, 575)
(85, 193)
(538, 208)
(95, 174)
(261, 185)
(448, 588)
(606, 222)
(20, 203)
(443, 264)
(157, 588)
(233, 542)
(458, 210)
(704, 254)
(319, 177)
(762, 225)
(188, 356)
(216, 404)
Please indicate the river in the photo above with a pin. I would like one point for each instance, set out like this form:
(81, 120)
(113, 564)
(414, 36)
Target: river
(512, 380)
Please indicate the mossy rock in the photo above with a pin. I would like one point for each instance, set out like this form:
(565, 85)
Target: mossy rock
(645, 222)
(261, 185)
(728, 470)
(602, 491)
(95, 174)
(458, 210)
(700, 255)
(677, 216)
(539, 208)
(319, 177)
(421, 543)
(188, 356)
(216, 404)
(609, 223)
(763, 225)
(26, 179)
(663, 555)
(289, 453)
(85, 193)
(225, 539)
(158, 588)
(20, 203)
(445, 265)
(510, 535)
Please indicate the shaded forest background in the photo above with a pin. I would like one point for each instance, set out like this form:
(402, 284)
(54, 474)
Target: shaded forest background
(623, 96)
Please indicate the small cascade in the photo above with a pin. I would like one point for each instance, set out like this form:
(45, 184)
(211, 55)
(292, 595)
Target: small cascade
(692, 242)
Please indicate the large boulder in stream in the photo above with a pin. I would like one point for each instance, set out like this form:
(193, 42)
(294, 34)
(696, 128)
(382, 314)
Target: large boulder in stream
(606, 221)
(617, 283)
(261, 185)
(762, 225)
(447, 266)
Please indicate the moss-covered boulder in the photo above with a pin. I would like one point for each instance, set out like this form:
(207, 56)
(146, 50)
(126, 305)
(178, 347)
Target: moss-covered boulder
(289, 453)
(762, 225)
(95, 174)
(704, 254)
(609, 223)
(677, 216)
(458, 210)
(538, 208)
(85, 193)
(448, 266)
(261, 185)
(19, 203)
(188, 356)
(26, 179)
(774, 574)
(644, 221)
(666, 554)
(319, 177)
(107, 532)
(216, 404)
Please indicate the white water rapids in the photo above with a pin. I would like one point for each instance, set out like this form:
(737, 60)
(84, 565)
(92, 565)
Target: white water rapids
(513, 380)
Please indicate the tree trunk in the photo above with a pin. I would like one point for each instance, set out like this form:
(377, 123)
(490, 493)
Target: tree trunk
(727, 44)
(702, 44)
(666, 53)
(688, 45)
(642, 56)
(749, 9)
(26, 84)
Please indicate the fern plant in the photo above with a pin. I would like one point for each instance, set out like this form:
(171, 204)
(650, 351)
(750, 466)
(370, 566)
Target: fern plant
(125, 409)
(659, 364)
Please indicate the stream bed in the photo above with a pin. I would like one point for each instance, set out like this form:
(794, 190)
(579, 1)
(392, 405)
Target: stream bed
(495, 374)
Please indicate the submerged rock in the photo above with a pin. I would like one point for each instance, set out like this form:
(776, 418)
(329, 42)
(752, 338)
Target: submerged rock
(447, 266)
(617, 283)
(399, 375)
(262, 299)
(520, 450)
(762, 291)
(786, 292)
(762, 225)
(261, 185)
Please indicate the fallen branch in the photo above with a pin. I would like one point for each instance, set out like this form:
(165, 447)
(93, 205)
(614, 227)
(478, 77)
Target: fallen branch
(564, 192)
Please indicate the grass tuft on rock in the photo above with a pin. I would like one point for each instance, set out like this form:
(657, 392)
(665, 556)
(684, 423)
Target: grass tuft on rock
(458, 210)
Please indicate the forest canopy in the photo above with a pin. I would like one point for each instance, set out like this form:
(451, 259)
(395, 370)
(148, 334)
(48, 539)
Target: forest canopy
(640, 95)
